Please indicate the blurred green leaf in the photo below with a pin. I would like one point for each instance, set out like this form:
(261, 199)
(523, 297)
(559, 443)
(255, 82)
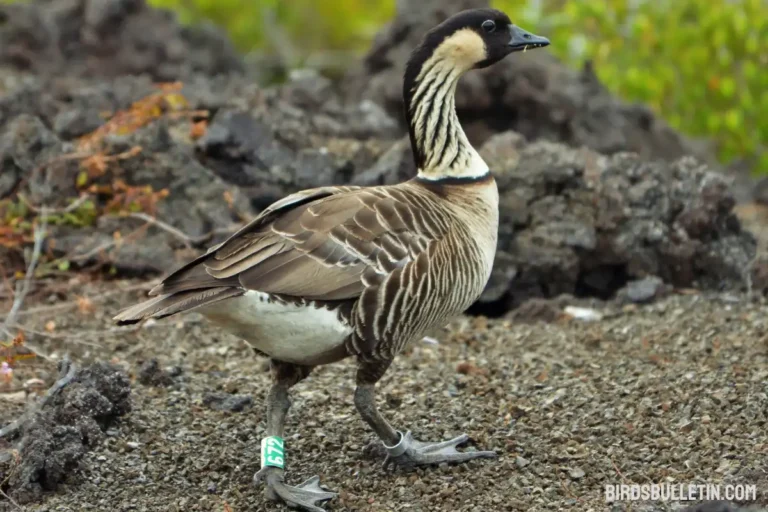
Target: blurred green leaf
(82, 179)
(728, 87)
(733, 119)
(701, 64)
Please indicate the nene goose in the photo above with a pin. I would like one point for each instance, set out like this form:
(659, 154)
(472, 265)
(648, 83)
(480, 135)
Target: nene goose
(334, 272)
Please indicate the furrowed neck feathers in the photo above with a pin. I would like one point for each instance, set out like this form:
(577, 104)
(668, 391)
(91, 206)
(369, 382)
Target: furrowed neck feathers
(440, 146)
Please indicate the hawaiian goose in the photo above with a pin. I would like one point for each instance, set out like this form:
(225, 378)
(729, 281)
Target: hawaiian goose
(334, 272)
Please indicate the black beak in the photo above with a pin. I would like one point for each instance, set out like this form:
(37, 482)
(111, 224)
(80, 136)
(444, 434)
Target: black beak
(522, 40)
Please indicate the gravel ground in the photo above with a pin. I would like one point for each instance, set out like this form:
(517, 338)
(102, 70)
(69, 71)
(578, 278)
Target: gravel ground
(673, 391)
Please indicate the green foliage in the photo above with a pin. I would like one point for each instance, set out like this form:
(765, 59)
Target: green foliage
(700, 64)
(18, 219)
(282, 26)
(84, 214)
(17, 213)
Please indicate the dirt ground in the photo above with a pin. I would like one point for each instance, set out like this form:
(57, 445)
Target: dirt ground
(674, 391)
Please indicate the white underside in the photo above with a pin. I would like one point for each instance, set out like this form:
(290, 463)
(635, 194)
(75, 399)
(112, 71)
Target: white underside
(294, 334)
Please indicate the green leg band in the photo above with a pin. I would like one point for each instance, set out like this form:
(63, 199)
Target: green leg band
(273, 452)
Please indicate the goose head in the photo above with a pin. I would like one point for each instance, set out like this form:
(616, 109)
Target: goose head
(471, 39)
(475, 38)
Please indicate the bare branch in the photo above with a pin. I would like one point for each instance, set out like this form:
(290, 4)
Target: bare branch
(68, 368)
(103, 247)
(165, 227)
(22, 288)
(11, 500)
(76, 337)
(98, 298)
(188, 240)
(54, 211)
(60, 158)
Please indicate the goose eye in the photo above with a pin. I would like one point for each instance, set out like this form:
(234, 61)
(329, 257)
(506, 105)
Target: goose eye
(489, 26)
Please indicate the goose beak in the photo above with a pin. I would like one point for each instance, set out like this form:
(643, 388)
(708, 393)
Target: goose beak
(522, 39)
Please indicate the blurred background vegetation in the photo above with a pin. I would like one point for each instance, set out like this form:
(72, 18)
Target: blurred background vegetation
(701, 64)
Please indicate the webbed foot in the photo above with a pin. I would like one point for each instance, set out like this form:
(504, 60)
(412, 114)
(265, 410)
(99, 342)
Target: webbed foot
(410, 452)
(305, 496)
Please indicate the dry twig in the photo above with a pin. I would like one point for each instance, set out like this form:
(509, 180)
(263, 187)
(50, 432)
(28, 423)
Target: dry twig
(618, 471)
(22, 288)
(54, 211)
(565, 487)
(165, 227)
(76, 337)
(98, 298)
(188, 240)
(103, 247)
(61, 158)
(11, 500)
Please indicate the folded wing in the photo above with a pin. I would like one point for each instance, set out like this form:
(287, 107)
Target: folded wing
(322, 244)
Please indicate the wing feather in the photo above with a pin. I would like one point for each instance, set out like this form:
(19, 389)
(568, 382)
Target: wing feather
(329, 243)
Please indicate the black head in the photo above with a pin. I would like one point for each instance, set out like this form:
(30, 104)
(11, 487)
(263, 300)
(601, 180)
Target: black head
(476, 38)
(500, 35)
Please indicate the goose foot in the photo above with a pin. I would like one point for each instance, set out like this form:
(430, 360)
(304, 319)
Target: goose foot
(410, 452)
(305, 496)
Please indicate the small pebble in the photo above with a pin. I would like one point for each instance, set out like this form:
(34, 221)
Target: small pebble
(644, 290)
(227, 402)
(150, 374)
(584, 314)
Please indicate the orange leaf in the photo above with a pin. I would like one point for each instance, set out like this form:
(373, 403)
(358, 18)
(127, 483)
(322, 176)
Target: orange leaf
(95, 165)
(198, 129)
(85, 305)
(229, 199)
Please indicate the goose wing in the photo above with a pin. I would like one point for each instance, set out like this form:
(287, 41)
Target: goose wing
(321, 244)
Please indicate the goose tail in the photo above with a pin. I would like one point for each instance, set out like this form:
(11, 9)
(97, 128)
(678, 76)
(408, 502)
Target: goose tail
(172, 303)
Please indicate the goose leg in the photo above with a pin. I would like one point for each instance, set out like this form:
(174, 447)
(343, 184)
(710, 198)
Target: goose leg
(308, 494)
(403, 449)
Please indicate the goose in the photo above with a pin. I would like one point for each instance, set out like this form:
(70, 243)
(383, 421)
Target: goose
(346, 271)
